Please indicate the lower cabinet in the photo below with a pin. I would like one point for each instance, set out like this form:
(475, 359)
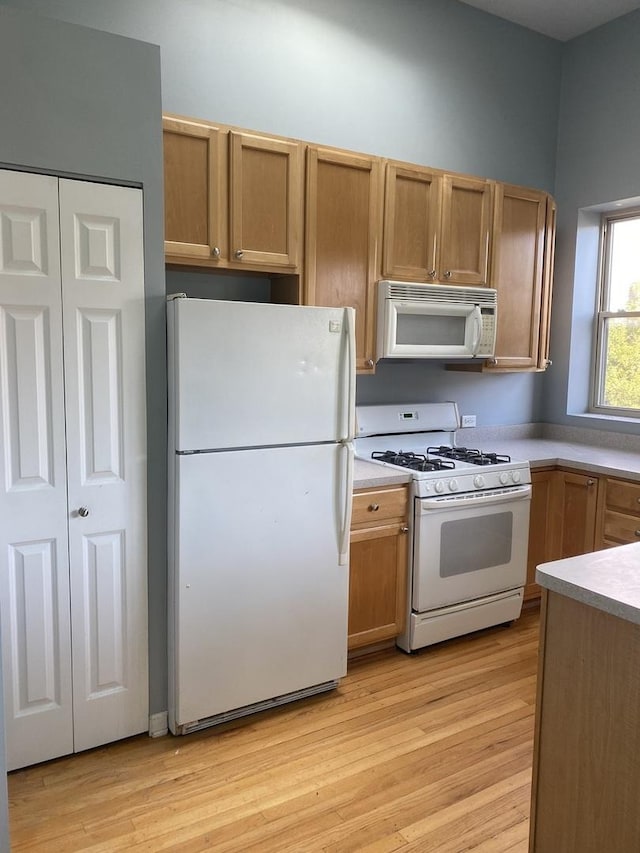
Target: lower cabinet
(378, 565)
(542, 546)
(577, 501)
(563, 519)
(618, 513)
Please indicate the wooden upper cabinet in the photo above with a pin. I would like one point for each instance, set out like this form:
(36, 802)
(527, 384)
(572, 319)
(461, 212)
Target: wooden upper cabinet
(518, 272)
(523, 243)
(411, 222)
(547, 285)
(343, 224)
(194, 216)
(266, 200)
(436, 226)
(232, 200)
(465, 229)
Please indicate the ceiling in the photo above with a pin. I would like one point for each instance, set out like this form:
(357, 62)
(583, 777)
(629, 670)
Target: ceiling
(560, 19)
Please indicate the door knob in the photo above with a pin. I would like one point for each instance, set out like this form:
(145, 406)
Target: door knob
(83, 512)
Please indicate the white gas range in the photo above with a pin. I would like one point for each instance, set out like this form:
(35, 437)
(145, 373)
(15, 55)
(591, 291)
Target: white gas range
(469, 520)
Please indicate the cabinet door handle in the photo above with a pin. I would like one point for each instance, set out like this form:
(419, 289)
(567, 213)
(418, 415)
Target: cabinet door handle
(431, 273)
(590, 482)
(447, 273)
(215, 252)
(368, 362)
(83, 512)
(637, 533)
(404, 529)
(238, 253)
(374, 507)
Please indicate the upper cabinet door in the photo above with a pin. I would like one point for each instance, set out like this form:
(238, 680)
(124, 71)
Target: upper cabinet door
(547, 285)
(343, 225)
(518, 273)
(194, 188)
(265, 201)
(411, 222)
(465, 230)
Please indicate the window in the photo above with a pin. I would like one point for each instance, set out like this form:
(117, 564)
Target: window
(616, 386)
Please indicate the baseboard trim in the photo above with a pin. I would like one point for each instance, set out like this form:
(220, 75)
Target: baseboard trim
(158, 724)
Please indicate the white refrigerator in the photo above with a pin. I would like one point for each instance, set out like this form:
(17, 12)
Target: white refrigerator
(261, 419)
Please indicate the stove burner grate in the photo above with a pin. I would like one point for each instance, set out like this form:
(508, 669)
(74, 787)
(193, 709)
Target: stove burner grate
(414, 461)
(468, 454)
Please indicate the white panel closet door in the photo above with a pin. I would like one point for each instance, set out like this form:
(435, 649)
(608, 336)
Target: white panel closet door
(34, 567)
(103, 333)
(73, 541)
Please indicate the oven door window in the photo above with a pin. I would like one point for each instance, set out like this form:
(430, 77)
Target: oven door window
(475, 543)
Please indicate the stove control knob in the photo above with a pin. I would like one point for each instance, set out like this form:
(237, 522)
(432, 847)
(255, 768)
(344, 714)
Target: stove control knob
(516, 476)
(504, 478)
(439, 487)
(453, 485)
(478, 481)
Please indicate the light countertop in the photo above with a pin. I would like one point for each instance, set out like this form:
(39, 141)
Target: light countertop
(367, 475)
(608, 580)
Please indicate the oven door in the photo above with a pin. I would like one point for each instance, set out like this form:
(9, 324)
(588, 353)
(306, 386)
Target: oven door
(469, 546)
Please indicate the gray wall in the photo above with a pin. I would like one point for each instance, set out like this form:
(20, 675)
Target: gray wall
(598, 165)
(429, 81)
(76, 101)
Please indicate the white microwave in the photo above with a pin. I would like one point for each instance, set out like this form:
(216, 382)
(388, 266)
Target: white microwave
(435, 321)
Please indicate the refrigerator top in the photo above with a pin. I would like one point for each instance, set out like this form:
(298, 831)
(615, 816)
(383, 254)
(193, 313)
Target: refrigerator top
(245, 374)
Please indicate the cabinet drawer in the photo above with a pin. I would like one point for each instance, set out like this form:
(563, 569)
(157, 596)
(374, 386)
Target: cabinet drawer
(375, 506)
(621, 527)
(623, 496)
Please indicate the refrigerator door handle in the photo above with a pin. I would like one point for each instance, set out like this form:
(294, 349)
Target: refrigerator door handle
(349, 381)
(348, 502)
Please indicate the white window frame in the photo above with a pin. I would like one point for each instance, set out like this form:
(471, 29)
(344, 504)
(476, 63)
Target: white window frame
(602, 315)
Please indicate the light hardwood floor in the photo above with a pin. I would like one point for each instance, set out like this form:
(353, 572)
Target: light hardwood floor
(429, 752)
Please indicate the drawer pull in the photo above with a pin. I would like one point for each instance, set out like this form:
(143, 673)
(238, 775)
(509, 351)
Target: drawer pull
(374, 507)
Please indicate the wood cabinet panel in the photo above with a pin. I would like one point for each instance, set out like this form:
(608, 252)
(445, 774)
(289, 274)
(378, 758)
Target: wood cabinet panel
(233, 200)
(577, 502)
(343, 224)
(586, 773)
(564, 509)
(618, 513)
(543, 545)
(467, 208)
(375, 505)
(377, 584)
(411, 222)
(518, 273)
(266, 200)
(378, 565)
(193, 169)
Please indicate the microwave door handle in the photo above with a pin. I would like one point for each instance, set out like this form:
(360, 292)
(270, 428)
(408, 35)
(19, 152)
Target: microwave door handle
(477, 327)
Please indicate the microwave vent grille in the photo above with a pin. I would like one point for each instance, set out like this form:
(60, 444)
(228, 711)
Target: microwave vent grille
(439, 293)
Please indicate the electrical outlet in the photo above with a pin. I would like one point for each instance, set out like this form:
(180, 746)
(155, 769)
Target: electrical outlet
(468, 420)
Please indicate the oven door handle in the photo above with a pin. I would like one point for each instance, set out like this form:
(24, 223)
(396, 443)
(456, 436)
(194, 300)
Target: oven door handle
(450, 503)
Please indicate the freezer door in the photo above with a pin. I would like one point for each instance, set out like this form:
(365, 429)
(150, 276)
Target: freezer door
(258, 600)
(253, 374)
